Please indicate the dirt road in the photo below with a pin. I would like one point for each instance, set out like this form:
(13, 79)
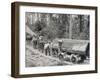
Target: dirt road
(35, 58)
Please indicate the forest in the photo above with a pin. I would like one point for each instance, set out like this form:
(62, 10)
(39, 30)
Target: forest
(52, 25)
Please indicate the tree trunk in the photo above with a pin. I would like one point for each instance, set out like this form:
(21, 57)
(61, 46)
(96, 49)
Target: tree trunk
(70, 27)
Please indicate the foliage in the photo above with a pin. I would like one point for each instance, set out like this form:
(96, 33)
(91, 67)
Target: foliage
(53, 25)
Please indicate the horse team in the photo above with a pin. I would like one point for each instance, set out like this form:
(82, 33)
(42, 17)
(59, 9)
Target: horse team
(46, 46)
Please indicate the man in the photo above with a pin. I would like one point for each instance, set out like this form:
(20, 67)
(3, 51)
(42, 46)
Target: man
(60, 42)
(47, 48)
(41, 44)
(35, 42)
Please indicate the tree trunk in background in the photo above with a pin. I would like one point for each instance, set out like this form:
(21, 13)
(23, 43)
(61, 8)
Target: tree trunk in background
(70, 27)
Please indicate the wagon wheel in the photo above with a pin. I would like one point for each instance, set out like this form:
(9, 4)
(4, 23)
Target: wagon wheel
(60, 56)
(82, 58)
(74, 59)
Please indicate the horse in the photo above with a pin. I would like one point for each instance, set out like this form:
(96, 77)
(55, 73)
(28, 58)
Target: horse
(53, 48)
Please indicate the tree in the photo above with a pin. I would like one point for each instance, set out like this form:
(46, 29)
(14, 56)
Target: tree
(52, 25)
(39, 25)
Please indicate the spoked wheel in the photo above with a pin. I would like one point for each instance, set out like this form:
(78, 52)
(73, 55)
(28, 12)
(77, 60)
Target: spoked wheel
(74, 59)
(61, 57)
(82, 58)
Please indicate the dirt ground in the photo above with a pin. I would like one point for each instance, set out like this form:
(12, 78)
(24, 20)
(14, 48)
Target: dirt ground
(35, 58)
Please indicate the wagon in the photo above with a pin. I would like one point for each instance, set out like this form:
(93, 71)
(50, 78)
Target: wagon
(74, 50)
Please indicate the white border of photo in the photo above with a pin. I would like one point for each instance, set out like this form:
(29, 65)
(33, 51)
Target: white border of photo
(53, 69)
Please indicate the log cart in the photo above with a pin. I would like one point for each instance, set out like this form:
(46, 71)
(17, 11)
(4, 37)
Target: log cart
(75, 51)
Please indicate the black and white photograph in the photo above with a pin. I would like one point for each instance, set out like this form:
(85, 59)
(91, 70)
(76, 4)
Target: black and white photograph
(56, 39)
(52, 39)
